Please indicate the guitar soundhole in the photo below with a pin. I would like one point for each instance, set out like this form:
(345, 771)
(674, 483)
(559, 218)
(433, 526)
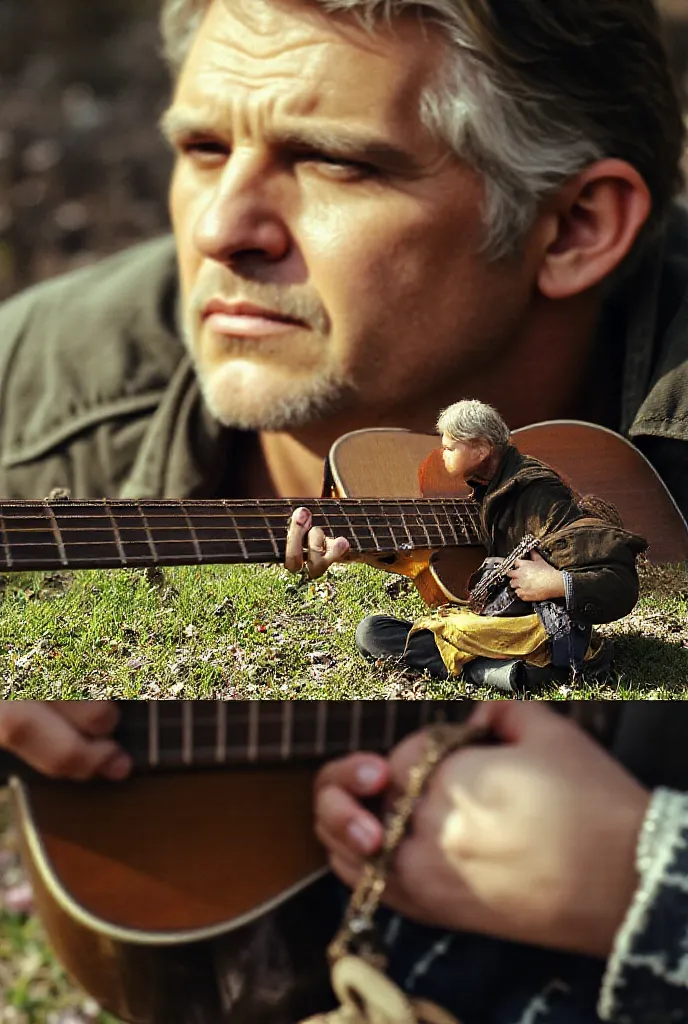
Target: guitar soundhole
(387, 559)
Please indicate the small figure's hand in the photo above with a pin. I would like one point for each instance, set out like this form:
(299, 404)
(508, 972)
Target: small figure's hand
(532, 840)
(322, 550)
(535, 579)
(67, 739)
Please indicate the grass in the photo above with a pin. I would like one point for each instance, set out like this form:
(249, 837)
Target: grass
(247, 632)
(235, 634)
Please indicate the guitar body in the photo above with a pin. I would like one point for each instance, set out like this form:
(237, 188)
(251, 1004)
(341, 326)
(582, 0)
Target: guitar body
(593, 460)
(218, 912)
(196, 892)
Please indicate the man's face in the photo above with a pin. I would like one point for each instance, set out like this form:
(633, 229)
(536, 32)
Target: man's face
(329, 245)
(461, 458)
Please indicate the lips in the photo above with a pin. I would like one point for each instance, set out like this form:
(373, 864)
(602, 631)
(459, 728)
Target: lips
(246, 319)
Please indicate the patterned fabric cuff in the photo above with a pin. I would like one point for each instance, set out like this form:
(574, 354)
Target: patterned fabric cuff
(646, 981)
(568, 590)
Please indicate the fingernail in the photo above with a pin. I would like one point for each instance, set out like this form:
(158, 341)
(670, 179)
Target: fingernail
(365, 834)
(368, 775)
(118, 768)
(301, 516)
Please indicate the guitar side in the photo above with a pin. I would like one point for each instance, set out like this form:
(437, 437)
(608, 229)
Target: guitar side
(593, 460)
(164, 918)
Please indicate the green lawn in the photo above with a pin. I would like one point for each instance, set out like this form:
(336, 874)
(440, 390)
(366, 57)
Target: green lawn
(250, 632)
(239, 633)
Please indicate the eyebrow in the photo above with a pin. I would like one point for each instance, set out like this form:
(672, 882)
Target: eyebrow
(340, 142)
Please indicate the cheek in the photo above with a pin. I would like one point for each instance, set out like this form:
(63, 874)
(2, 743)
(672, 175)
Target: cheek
(185, 207)
(391, 264)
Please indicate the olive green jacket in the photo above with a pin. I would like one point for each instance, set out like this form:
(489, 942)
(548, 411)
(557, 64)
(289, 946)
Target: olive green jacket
(98, 395)
(526, 496)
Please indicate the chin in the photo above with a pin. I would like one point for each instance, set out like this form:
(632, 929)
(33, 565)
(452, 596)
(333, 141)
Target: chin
(264, 400)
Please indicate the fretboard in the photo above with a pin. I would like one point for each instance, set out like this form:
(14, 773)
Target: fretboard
(198, 734)
(116, 534)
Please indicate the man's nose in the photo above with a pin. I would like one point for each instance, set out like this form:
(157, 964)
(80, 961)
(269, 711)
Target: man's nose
(241, 218)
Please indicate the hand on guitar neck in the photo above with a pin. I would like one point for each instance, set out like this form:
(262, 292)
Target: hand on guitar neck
(321, 551)
(64, 739)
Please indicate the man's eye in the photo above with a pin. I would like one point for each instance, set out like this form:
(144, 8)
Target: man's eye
(203, 149)
(339, 169)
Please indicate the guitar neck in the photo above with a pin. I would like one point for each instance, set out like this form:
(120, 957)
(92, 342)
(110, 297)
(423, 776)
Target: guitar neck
(198, 734)
(192, 735)
(48, 535)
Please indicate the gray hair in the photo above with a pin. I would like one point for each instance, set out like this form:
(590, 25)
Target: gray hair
(471, 420)
(532, 93)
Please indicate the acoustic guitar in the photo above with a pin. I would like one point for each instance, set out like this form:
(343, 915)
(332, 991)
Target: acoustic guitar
(196, 892)
(386, 491)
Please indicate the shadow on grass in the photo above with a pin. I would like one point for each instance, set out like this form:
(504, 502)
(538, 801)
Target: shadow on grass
(659, 663)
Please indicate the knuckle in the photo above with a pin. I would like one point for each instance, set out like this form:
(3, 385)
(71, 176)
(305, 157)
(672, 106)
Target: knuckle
(16, 729)
(100, 717)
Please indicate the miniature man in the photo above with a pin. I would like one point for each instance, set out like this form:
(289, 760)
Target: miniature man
(538, 623)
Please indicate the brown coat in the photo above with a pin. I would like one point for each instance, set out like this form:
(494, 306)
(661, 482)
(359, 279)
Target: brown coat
(526, 496)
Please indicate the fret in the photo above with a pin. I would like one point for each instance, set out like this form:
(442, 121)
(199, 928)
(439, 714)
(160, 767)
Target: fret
(171, 733)
(201, 728)
(241, 536)
(153, 734)
(450, 522)
(406, 528)
(373, 536)
(221, 740)
(389, 731)
(87, 535)
(355, 708)
(235, 526)
(149, 536)
(134, 542)
(271, 733)
(304, 727)
(253, 731)
(321, 728)
(351, 529)
(5, 542)
(187, 732)
(420, 533)
(338, 728)
(115, 530)
(30, 540)
(407, 720)
(192, 531)
(287, 726)
(56, 532)
(430, 521)
(171, 532)
(236, 732)
(272, 537)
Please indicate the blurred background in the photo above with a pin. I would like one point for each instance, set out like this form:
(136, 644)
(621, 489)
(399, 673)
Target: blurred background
(82, 169)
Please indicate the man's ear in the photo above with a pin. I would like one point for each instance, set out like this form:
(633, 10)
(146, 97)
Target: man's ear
(590, 227)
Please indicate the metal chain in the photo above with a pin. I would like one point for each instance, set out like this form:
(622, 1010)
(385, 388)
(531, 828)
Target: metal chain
(358, 935)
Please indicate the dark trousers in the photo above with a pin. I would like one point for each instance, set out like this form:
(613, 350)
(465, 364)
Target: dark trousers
(383, 636)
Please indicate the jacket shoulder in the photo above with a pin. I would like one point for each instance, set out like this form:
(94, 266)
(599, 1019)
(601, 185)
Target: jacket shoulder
(94, 344)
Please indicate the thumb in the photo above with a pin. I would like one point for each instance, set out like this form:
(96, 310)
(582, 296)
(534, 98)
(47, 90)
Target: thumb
(536, 556)
(513, 721)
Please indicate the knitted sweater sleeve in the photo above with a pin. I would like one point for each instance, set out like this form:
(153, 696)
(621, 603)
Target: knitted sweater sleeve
(646, 981)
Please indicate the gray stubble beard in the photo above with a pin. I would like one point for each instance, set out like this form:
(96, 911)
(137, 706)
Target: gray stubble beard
(316, 400)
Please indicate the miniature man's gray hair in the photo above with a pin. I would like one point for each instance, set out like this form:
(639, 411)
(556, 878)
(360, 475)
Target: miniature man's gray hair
(471, 420)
